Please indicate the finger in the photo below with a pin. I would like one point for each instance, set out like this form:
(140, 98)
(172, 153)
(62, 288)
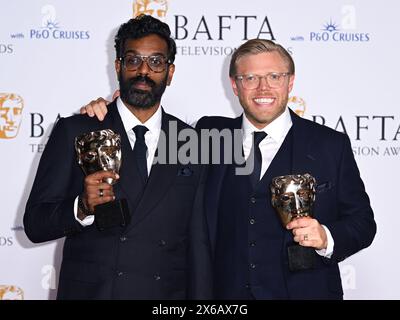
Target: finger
(99, 200)
(90, 108)
(100, 111)
(94, 191)
(100, 176)
(307, 243)
(83, 110)
(301, 232)
(94, 195)
(105, 193)
(304, 240)
(298, 223)
(99, 108)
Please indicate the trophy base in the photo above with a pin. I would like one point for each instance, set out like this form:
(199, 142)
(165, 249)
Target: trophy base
(112, 214)
(300, 258)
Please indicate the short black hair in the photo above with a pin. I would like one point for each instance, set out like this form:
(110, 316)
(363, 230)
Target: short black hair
(141, 26)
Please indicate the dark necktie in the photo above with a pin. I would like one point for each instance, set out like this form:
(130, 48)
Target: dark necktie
(140, 151)
(258, 136)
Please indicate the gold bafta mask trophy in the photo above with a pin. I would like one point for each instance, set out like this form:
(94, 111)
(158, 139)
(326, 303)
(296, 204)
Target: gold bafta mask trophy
(101, 150)
(293, 197)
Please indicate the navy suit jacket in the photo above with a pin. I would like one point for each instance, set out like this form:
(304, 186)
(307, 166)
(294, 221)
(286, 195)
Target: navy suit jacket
(341, 204)
(156, 256)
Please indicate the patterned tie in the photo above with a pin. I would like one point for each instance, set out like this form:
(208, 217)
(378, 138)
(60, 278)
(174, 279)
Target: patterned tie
(140, 151)
(258, 136)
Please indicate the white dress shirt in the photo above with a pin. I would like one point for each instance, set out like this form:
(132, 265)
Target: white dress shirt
(130, 121)
(276, 133)
(151, 136)
(269, 146)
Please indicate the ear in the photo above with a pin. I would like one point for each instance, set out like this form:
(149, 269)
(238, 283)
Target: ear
(117, 66)
(234, 86)
(171, 70)
(291, 82)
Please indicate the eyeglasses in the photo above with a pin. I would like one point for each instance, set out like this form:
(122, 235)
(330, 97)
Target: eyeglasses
(275, 80)
(156, 63)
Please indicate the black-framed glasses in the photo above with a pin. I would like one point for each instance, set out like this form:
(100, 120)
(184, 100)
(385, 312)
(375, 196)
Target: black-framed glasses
(274, 80)
(156, 63)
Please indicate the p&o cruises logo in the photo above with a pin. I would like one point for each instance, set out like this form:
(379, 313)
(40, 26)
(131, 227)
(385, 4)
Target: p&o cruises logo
(51, 28)
(332, 31)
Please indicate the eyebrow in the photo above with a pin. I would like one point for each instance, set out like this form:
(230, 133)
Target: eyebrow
(152, 54)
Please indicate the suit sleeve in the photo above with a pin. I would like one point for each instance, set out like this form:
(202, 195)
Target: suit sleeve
(49, 209)
(355, 227)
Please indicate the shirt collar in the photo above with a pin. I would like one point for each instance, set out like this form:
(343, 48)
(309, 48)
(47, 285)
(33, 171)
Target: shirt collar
(130, 121)
(276, 130)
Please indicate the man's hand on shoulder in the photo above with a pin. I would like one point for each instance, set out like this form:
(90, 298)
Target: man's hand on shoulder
(98, 107)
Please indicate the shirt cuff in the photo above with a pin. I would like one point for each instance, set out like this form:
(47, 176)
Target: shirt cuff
(327, 253)
(88, 219)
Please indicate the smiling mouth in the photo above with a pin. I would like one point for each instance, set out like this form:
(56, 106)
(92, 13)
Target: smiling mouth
(264, 101)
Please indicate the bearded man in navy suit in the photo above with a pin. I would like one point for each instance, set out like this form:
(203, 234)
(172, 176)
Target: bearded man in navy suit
(154, 256)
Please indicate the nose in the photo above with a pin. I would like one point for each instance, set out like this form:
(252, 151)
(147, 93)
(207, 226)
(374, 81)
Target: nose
(144, 68)
(263, 83)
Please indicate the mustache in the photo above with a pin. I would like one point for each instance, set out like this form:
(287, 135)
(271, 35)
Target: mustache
(141, 79)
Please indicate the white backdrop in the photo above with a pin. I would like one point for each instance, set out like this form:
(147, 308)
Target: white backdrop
(57, 55)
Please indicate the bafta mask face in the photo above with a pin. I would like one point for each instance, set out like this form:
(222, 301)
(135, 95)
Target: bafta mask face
(155, 8)
(293, 196)
(99, 150)
(11, 106)
(298, 105)
(11, 293)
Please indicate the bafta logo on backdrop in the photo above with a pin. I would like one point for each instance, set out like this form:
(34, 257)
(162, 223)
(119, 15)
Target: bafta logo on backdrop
(11, 293)
(298, 105)
(11, 106)
(155, 8)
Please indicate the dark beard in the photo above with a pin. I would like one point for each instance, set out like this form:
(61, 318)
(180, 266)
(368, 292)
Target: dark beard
(139, 98)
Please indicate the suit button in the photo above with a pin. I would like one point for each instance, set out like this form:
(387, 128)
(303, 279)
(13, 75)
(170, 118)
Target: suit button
(253, 200)
(123, 238)
(252, 221)
(120, 273)
(162, 243)
(157, 277)
(252, 266)
(247, 286)
(252, 244)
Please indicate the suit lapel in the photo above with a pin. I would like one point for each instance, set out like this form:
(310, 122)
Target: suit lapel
(303, 159)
